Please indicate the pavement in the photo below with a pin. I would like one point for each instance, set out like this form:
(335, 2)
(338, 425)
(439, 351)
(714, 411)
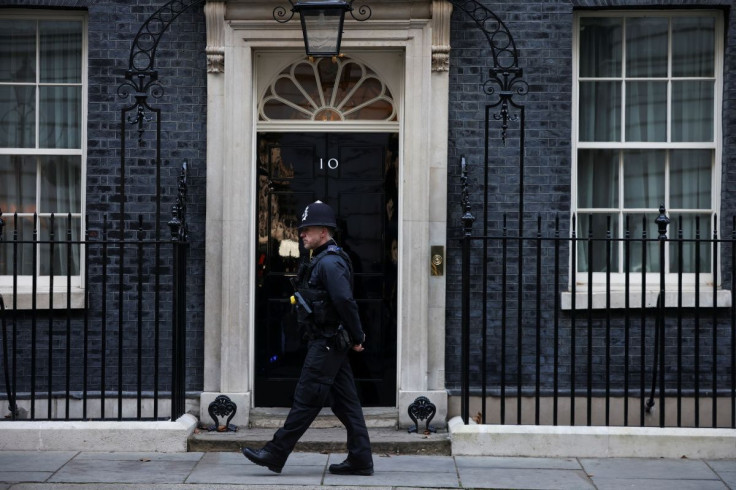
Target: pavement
(308, 470)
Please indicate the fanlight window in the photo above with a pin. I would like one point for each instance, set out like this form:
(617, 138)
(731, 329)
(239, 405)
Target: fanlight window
(324, 89)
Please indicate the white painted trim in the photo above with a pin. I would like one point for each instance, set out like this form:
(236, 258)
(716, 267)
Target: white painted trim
(230, 201)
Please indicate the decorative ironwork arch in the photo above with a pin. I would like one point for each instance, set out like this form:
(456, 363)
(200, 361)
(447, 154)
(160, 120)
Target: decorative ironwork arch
(141, 77)
(505, 74)
(505, 80)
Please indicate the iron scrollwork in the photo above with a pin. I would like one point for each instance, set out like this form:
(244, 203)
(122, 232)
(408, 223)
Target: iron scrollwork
(141, 77)
(422, 409)
(222, 406)
(506, 74)
(178, 222)
(468, 219)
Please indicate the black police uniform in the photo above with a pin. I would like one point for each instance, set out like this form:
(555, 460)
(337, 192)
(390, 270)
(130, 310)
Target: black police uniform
(326, 369)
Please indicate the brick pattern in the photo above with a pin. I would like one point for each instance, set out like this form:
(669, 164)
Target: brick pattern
(543, 34)
(181, 65)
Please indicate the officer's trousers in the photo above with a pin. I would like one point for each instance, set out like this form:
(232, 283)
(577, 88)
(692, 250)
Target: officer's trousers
(326, 372)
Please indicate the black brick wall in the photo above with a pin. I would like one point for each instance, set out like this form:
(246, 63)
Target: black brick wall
(181, 65)
(542, 31)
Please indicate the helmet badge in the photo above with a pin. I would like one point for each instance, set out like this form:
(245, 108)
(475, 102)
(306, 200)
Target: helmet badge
(306, 210)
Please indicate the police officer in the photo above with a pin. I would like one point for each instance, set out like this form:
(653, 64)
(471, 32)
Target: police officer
(328, 312)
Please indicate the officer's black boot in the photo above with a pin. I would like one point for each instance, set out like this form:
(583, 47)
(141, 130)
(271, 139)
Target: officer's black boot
(348, 468)
(262, 457)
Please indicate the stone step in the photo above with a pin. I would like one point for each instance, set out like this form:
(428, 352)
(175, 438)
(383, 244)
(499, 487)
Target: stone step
(273, 418)
(326, 434)
(384, 441)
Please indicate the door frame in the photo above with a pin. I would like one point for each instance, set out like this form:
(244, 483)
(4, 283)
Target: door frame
(231, 179)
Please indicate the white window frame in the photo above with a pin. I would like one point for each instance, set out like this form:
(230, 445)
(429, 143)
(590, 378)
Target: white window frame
(652, 279)
(43, 283)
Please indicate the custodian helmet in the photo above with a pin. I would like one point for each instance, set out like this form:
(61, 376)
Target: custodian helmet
(318, 214)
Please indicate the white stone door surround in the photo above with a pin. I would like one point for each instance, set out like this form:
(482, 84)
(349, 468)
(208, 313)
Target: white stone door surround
(237, 30)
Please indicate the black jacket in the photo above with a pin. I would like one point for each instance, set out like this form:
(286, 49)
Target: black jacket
(333, 274)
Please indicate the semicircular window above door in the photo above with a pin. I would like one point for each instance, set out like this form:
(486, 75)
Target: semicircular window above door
(324, 89)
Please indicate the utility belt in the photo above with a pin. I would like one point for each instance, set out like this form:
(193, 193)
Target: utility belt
(315, 313)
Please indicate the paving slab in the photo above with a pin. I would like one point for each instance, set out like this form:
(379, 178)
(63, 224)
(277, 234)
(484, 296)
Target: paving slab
(726, 470)
(24, 466)
(400, 471)
(142, 470)
(517, 463)
(138, 456)
(406, 463)
(518, 478)
(34, 461)
(719, 465)
(394, 479)
(230, 458)
(502, 472)
(648, 469)
(234, 468)
(24, 476)
(638, 484)
(250, 474)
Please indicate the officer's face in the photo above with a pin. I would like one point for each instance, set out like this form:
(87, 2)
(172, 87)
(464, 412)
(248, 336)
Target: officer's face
(314, 236)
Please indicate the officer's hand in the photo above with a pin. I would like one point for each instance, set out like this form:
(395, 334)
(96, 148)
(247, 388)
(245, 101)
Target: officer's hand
(358, 348)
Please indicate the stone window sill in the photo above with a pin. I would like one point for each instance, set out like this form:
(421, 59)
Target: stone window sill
(60, 296)
(618, 299)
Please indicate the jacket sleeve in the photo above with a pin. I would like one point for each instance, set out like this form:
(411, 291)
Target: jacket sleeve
(335, 275)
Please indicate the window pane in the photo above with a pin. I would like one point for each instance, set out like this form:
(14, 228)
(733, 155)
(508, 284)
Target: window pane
(693, 46)
(17, 51)
(276, 109)
(18, 116)
(691, 226)
(17, 184)
(60, 184)
(61, 247)
(600, 47)
(61, 117)
(306, 80)
(644, 178)
(690, 179)
(646, 111)
(288, 91)
(646, 47)
(592, 251)
(642, 249)
(692, 111)
(16, 253)
(598, 179)
(600, 111)
(61, 51)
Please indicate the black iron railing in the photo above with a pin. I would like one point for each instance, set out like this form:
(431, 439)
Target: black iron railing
(634, 342)
(114, 347)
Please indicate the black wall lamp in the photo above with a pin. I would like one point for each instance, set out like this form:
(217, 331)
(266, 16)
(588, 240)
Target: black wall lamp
(322, 23)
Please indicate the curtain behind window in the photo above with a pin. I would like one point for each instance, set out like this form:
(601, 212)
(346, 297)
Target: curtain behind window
(40, 110)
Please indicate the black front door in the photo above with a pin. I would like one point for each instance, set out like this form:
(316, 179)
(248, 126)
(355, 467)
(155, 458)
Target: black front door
(357, 174)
